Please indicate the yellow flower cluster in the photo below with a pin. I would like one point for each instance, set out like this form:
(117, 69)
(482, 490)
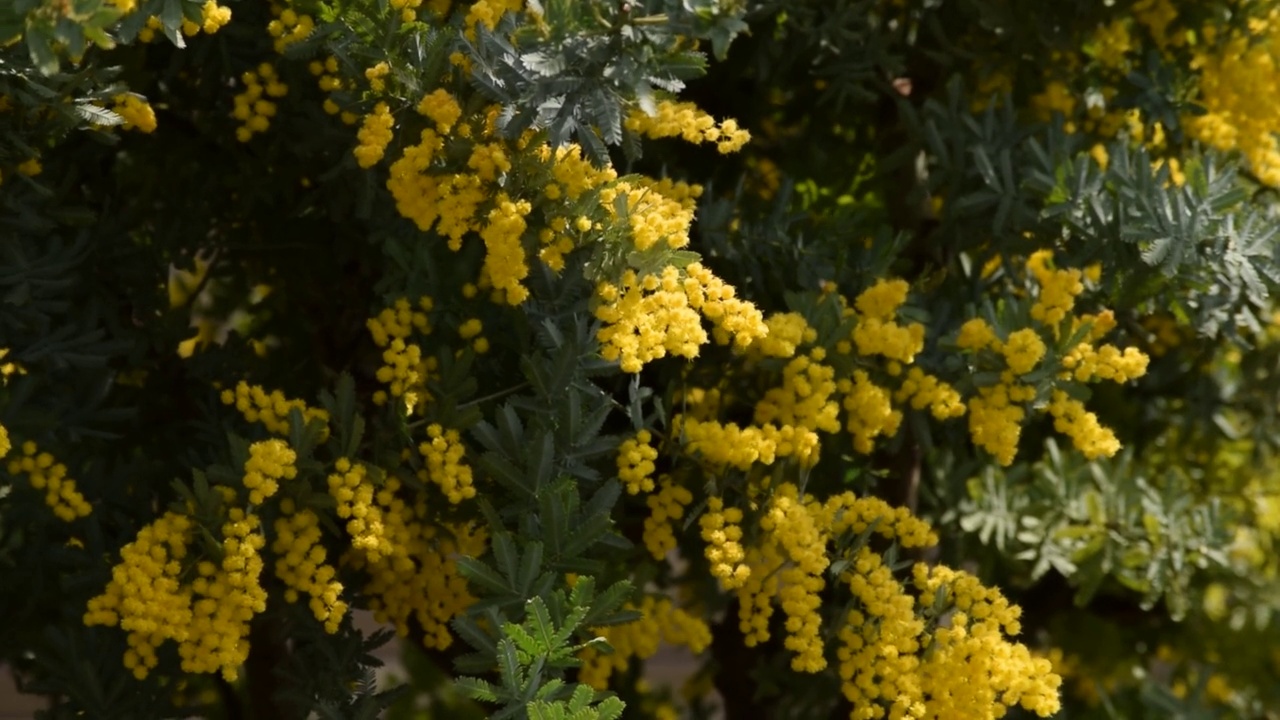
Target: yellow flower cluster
(635, 463)
(300, 565)
(504, 258)
(971, 670)
(869, 414)
(1157, 16)
(136, 111)
(721, 444)
(764, 562)
(443, 453)
(923, 390)
(655, 212)
(9, 368)
(1023, 350)
(488, 13)
(218, 639)
(252, 106)
(666, 506)
(442, 108)
(722, 531)
(405, 370)
(877, 333)
(1238, 87)
(353, 491)
(418, 583)
(880, 644)
(289, 27)
(374, 136)
(148, 32)
(1086, 363)
(788, 563)
(269, 462)
(271, 409)
(1112, 43)
(976, 334)
(145, 596)
(30, 167)
(660, 621)
(409, 8)
(995, 418)
(574, 174)
(212, 17)
(489, 161)
(1088, 435)
(649, 316)
(892, 665)
(425, 198)
(850, 513)
(685, 120)
(997, 411)
(1058, 289)
(330, 81)
(209, 619)
(400, 320)
(785, 332)
(798, 525)
(45, 473)
(804, 399)
(1055, 98)
(376, 75)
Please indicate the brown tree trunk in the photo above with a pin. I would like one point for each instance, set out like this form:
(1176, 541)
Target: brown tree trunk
(267, 651)
(735, 661)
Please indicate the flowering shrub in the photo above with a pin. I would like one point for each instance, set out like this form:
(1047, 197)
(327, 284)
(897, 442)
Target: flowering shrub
(884, 367)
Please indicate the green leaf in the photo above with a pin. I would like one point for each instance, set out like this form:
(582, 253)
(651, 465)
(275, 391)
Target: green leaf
(477, 689)
(483, 576)
(540, 620)
(530, 567)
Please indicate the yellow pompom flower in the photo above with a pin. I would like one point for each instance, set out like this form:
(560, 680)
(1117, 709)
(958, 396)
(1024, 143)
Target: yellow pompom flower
(213, 16)
(1023, 350)
(443, 453)
(686, 121)
(882, 300)
(145, 596)
(635, 463)
(666, 506)
(441, 108)
(271, 409)
(1086, 433)
(376, 76)
(374, 136)
(300, 565)
(269, 462)
(722, 533)
(785, 333)
(504, 259)
(49, 476)
(1058, 289)
(869, 413)
(136, 112)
